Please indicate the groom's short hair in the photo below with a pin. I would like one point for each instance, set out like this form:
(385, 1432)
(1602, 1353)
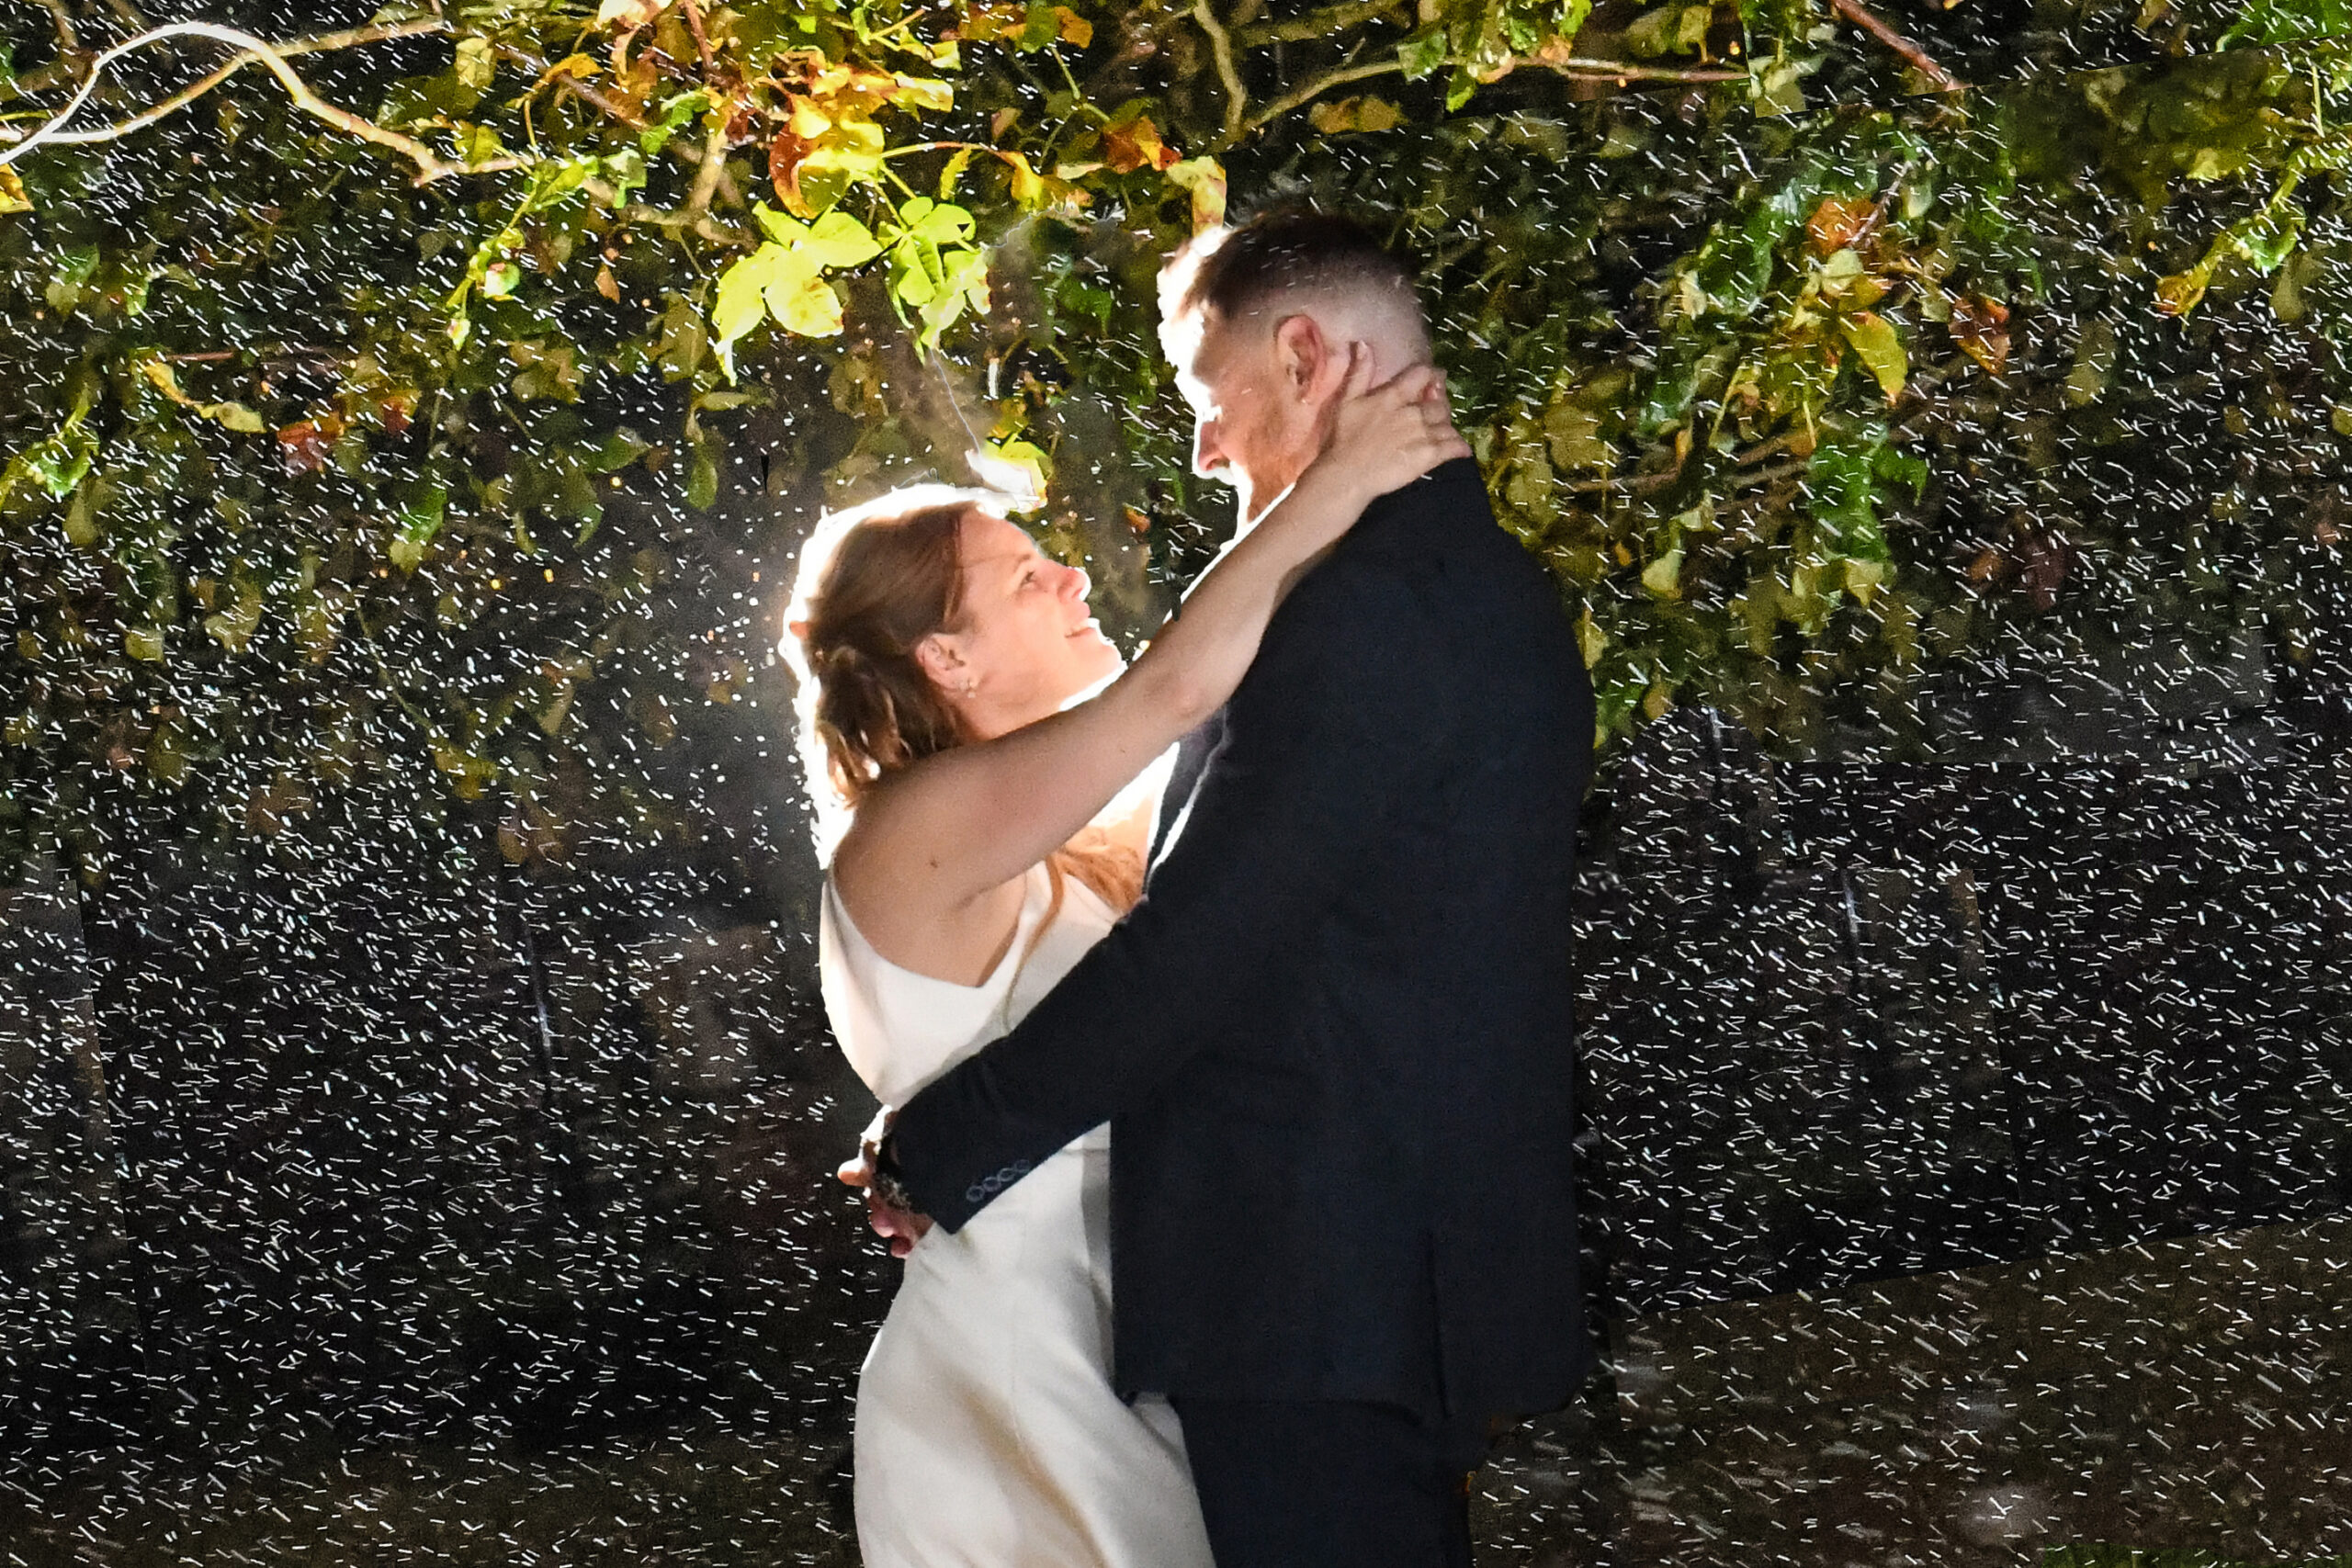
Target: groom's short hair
(1224, 274)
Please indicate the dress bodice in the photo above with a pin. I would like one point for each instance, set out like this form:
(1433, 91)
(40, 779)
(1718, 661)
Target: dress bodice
(900, 1030)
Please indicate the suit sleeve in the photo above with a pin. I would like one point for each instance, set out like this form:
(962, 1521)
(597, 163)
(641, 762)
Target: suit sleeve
(1339, 727)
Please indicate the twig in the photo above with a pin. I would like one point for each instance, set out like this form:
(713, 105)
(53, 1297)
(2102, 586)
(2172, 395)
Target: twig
(1585, 69)
(68, 41)
(1861, 16)
(702, 40)
(430, 165)
(1237, 96)
(727, 189)
(714, 165)
(1621, 71)
(127, 13)
(1646, 484)
(1329, 22)
(349, 39)
(1310, 90)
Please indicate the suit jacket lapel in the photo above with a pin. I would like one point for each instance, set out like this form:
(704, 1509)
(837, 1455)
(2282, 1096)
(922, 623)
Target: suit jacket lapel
(1184, 781)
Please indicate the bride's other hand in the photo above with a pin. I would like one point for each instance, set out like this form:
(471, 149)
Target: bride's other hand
(1383, 438)
(897, 1227)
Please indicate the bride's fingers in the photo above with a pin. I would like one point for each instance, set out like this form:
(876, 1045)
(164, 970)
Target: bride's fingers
(1420, 383)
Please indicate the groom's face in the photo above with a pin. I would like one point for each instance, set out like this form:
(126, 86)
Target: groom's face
(1251, 429)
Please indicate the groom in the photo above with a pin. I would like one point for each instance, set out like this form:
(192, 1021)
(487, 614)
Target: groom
(1333, 1040)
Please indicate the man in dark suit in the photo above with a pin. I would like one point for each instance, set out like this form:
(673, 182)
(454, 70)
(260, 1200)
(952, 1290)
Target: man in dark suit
(1333, 1040)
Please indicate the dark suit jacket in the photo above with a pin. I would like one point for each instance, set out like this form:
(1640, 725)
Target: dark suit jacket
(1334, 1039)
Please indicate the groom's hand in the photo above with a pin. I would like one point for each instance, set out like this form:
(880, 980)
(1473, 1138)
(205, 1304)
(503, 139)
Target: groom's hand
(898, 1227)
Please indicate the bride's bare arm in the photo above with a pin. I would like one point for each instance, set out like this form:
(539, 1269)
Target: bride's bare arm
(956, 826)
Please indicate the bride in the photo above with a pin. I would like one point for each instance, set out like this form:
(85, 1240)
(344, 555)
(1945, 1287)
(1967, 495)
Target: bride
(984, 844)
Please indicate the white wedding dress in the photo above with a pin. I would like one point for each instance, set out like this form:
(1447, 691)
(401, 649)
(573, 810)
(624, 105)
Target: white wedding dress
(988, 1433)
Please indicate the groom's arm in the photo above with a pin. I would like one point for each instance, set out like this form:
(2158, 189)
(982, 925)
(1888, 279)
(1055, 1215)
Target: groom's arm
(1339, 726)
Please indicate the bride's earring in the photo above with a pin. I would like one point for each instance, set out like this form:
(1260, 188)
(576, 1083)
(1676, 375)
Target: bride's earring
(971, 684)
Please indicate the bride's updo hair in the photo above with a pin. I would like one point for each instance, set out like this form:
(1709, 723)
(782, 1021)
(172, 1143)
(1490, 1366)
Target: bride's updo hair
(874, 579)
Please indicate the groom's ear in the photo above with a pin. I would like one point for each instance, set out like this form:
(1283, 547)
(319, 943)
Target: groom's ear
(1304, 359)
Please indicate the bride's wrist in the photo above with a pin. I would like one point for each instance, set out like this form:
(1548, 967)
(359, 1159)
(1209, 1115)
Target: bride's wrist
(1331, 482)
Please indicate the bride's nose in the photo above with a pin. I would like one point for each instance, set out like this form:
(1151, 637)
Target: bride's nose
(1077, 584)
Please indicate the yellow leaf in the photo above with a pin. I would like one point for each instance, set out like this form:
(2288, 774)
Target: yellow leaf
(1017, 468)
(1663, 576)
(925, 92)
(2178, 294)
(1204, 177)
(1865, 578)
(953, 175)
(12, 192)
(476, 64)
(1028, 184)
(160, 374)
(1874, 340)
(1074, 29)
(629, 12)
(236, 416)
(808, 306)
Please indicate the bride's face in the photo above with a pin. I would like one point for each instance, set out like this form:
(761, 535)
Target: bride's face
(1024, 643)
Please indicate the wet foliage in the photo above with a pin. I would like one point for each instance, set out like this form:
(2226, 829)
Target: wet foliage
(412, 1098)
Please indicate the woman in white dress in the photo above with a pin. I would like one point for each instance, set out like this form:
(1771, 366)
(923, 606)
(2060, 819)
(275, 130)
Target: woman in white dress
(990, 830)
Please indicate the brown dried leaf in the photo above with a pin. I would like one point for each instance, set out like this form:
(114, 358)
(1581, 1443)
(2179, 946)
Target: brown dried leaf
(1134, 144)
(1981, 327)
(1838, 221)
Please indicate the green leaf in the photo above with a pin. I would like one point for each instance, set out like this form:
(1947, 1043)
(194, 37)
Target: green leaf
(1669, 29)
(702, 473)
(59, 467)
(1842, 480)
(619, 449)
(233, 627)
(1422, 51)
(419, 521)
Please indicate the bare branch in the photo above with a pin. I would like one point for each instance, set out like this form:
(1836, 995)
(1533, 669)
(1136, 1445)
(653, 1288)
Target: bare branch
(1583, 69)
(1315, 88)
(713, 166)
(702, 39)
(1916, 58)
(430, 165)
(1623, 74)
(68, 41)
(349, 39)
(1329, 22)
(1237, 96)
